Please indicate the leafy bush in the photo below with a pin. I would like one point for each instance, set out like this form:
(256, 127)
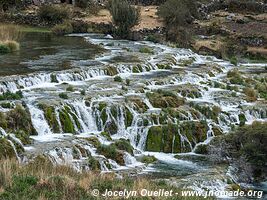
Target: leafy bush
(124, 16)
(11, 96)
(117, 79)
(53, 14)
(247, 143)
(178, 12)
(63, 96)
(4, 49)
(146, 50)
(62, 29)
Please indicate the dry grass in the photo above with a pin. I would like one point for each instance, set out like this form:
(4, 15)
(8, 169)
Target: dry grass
(10, 33)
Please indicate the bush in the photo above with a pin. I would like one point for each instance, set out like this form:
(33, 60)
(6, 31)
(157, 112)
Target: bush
(70, 88)
(178, 12)
(11, 96)
(53, 14)
(146, 50)
(123, 144)
(251, 94)
(124, 16)
(4, 49)
(62, 29)
(117, 79)
(63, 96)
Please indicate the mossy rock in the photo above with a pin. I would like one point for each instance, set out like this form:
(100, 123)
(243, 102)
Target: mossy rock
(106, 135)
(111, 71)
(94, 164)
(104, 116)
(50, 116)
(23, 137)
(163, 139)
(148, 159)
(165, 99)
(94, 141)
(129, 117)
(111, 127)
(66, 122)
(123, 144)
(201, 149)
(6, 149)
(111, 152)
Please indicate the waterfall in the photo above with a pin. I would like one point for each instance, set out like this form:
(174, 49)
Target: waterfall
(39, 122)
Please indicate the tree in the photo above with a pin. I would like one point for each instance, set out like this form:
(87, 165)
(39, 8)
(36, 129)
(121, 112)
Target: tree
(124, 16)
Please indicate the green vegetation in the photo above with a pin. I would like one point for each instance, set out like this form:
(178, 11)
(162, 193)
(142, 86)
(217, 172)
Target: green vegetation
(70, 88)
(124, 16)
(11, 96)
(117, 79)
(94, 141)
(247, 144)
(66, 122)
(165, 99)
(39, 179)
(6, 149)
(17, 119)
(62, 29)
(235, 77)
(63, 95)
(53, 78)
(4, 49)
(148, 159)
(234, 61)
(50, 116)
(53, 14)
(111, 152)
(251, 94)
(201, 149)
(106, 135)
(123, 144)
(146, 50)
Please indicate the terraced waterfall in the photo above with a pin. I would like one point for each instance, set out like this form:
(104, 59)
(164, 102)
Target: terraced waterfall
(164, 101)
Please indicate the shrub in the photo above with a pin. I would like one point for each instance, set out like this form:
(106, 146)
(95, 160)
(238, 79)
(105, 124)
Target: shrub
(251, 94)
(63, 96)
(148, 159)
(117, 79)
(10, 33)
(53, 14)
(62, 29)
(70, 88)
(233, 61)
(123, 144)
(11, 96)
(4, 49)
(124, 16)
(146, 50)
(12, 45)
(178, 12)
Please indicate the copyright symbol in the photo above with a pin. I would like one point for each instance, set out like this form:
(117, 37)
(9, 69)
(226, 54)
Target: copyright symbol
(95, 192)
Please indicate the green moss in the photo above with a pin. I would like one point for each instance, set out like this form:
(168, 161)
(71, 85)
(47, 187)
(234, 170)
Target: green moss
(6, 150)
(94, 141)
(235, 77)
(164, 66)
(123, 144)
(154, 139)
(129, 117)
(19, 119)
(102, 105)
(63, 95)
(106, 135)
(111, 71)
(111, 127)
(11, 96)
(23, 137)
(4, 49)
(147, 50)
(94, 164)
(117, 79)
(70, 88)
(148, 159)
(50, 116)
(53, 78)
(201, 149)
(74, 117)
(242, 119)
(66, 122)
(7, 105)
(104, 116)
(110, 151)
(165, 99)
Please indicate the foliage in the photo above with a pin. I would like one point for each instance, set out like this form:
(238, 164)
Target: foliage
(148, 159)
(62, 29)
(11, 96)
(249, 143)
(146, 50)
(178, 12)
(10, 33)
(117, 79)
(4, 49)
(124, 16)
(53, 14)
(111, 152)
(123, 144)
(63, 96)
